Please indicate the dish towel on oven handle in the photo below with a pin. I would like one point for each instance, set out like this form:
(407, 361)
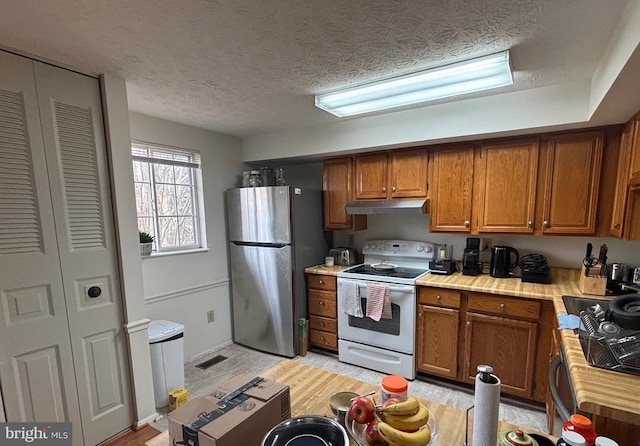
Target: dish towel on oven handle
(378, 301)
(350, 298)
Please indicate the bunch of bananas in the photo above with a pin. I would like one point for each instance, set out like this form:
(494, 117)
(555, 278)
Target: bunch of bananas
(404, 423)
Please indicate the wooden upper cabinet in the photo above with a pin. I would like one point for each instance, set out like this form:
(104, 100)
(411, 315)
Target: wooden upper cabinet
(407, 173)
(397, 174)
(371, 176)
(451, 178)
(572, 183)
(337, 180)
(634, 171)
(506, 185)
(632, 217)
(622, 182)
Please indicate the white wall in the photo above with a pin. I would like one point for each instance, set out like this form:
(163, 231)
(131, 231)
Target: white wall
(184, 287)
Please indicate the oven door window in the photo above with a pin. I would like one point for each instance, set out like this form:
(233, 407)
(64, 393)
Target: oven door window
(387, 326)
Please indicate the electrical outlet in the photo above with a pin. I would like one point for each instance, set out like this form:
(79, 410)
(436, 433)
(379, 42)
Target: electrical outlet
(210, 316)
(351, 240)
(486, 244)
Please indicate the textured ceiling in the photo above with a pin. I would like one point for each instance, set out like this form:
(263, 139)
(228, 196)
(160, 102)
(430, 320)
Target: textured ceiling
(248, 67)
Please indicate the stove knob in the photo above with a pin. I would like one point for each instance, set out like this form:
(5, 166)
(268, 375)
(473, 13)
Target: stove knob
(428, 248)
(373, 246)
(420, 248)
(365, 247)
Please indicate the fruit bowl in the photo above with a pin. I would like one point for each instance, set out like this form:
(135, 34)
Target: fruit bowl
(357, 430)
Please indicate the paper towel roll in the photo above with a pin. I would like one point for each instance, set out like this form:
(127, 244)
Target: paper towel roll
(485, 410)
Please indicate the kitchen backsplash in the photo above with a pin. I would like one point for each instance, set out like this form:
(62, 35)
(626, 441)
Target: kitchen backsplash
(560, 251)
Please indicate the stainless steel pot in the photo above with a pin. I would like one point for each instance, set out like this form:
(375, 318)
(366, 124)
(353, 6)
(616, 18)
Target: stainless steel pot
(636, 275)
(619, 272)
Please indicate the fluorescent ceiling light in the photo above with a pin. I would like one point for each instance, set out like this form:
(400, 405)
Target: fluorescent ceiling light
(459, 78)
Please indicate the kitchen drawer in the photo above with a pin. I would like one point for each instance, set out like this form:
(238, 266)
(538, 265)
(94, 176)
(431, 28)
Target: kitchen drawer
(323, 324)
(322, 306)
(439, 297)
(323, 339)
(321, 282)
(504, 306)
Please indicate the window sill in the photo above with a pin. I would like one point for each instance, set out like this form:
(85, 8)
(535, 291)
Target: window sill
(174, 253)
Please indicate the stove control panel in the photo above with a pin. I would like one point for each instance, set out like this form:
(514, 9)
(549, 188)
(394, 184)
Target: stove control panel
(399, 248)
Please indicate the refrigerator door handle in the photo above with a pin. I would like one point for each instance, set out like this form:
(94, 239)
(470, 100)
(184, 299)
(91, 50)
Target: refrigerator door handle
(261, 245)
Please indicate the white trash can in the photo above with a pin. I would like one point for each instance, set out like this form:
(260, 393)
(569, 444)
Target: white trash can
(167, 358)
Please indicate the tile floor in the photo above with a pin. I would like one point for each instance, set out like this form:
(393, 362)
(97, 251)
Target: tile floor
(244, 360)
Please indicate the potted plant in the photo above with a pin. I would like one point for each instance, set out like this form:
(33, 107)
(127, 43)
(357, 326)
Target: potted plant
(146, 243)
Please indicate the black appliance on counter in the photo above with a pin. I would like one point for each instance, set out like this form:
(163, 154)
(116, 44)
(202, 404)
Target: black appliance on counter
(501, 261)
(471, 265)
(446, 266)
(534, 269)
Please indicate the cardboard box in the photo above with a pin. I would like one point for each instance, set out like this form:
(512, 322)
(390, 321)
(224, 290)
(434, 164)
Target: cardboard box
(240, 412)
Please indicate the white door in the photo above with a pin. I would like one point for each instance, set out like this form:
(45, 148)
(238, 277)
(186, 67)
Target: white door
(35, 347)
(83, 303)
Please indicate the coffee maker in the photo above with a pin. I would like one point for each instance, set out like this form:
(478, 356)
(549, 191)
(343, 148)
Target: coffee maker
(471, 265)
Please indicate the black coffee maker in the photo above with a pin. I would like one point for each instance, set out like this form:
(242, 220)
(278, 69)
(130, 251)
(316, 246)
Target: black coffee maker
(501, 264)
(471, 265)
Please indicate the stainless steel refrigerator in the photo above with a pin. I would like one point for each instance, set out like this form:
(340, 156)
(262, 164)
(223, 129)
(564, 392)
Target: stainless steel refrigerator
(274, 233)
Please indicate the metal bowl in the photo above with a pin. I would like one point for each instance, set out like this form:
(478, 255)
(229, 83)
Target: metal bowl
(339, 403)
(308, 430)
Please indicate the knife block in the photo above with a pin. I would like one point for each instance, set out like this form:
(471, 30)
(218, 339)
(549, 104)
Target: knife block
(594, 283)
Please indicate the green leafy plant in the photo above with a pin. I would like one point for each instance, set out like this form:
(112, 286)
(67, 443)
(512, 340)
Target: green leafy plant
(145, 237)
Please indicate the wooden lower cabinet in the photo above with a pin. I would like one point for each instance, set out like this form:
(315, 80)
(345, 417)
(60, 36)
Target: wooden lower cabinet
(322, 306)
(507, 345)
(457, 331)
(438, 325)
(438, 332)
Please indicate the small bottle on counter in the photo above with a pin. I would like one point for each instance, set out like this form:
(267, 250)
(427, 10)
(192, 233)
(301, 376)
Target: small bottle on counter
(582, 425)
(394, 386)
(570, 438)
(604, 441)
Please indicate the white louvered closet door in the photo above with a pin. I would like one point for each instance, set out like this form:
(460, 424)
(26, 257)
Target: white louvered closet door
(84, 259)
(38, 382)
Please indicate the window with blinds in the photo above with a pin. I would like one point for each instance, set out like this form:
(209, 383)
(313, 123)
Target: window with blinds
(166, 183)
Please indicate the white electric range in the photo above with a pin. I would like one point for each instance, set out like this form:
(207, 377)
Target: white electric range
(386, 345)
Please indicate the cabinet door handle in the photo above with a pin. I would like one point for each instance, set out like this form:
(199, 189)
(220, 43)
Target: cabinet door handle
(502, 306)
(321, 303)
(617, 225)
(545, 223)
(467, 223)
(393, 189)
(438, 297)
(321, 282)
(384, 189)
(322, 324)
(468, 323)
(420, 314)
(530, 223)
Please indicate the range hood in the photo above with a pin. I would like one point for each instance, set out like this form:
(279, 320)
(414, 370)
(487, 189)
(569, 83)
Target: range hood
(399, 206)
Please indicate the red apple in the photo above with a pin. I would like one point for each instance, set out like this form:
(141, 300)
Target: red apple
(362, 410)
(372, 435)
(390, 401)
